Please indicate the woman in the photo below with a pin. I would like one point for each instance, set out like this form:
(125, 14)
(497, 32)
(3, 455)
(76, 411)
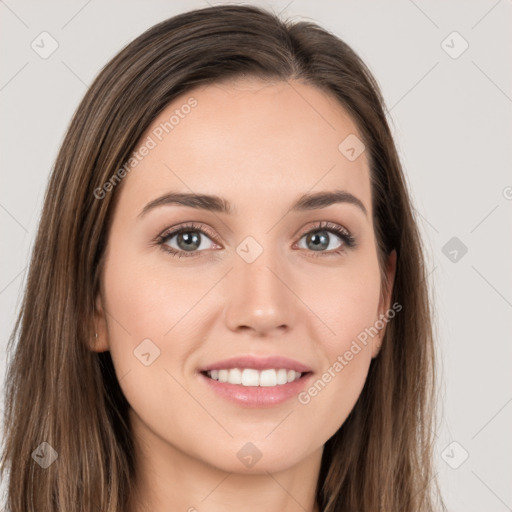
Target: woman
(226, 306)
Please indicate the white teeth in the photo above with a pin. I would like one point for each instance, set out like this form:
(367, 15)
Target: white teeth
(282, 376)
(235, 376)
(268, 378)
(252, 377)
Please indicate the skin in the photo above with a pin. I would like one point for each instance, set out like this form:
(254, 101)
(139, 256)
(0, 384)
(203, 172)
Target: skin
(259, 145)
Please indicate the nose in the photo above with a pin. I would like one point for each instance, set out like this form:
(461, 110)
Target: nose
(260, 297)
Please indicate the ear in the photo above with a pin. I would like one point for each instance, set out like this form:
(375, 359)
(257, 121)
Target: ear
(100, 342)
(385, 301)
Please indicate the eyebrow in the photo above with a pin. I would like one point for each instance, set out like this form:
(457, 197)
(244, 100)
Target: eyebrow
(213, 203)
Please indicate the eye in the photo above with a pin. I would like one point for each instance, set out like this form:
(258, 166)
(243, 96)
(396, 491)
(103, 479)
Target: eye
(320, 239)
(190, 239)
(184, 241)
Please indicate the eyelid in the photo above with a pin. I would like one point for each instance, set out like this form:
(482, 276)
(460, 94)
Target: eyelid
(323, 225)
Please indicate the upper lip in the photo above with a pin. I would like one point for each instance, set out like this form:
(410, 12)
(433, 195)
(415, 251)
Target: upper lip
(258, 363)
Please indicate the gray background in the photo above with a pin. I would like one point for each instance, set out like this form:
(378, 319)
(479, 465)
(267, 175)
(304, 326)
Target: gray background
(452, 122)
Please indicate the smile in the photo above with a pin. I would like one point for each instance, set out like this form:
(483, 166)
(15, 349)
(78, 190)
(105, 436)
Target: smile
(251, 377)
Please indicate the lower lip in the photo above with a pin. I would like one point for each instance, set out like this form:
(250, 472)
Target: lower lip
(258, 396)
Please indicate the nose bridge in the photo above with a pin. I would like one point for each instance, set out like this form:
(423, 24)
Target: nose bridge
(258, 295)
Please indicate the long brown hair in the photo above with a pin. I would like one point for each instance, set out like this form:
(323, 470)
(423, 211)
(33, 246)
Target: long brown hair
(61, 392)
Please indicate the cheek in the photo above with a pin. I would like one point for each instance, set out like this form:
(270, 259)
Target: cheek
(153, 322)
(344, 300)
(344, 310)
(145, 301)
(351, 313)
(150, 339)
(140, 309)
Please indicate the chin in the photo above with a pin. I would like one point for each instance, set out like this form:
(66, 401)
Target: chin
(246, 457)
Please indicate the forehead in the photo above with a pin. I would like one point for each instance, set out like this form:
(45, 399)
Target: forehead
(249, 139)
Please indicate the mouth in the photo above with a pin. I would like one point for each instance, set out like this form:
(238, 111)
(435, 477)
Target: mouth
(251, 377)
(255, 380)
(253, 388)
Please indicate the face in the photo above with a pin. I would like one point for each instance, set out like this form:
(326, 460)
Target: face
(263, 277)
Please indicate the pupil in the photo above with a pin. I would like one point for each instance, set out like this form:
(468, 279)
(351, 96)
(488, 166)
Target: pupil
(191, 240)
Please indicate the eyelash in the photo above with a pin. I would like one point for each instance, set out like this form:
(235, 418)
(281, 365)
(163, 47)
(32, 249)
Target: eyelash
(349, 241)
